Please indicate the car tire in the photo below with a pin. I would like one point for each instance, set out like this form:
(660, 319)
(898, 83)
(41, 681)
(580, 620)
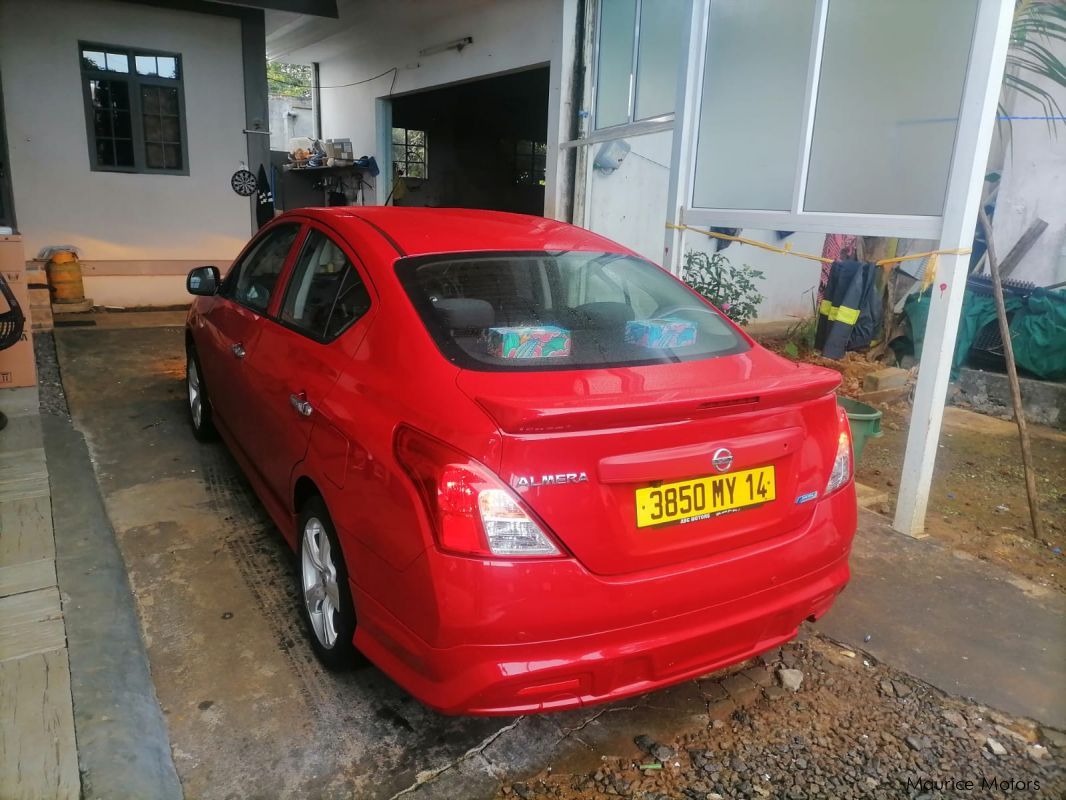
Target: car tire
(325, 594)
(197, 401)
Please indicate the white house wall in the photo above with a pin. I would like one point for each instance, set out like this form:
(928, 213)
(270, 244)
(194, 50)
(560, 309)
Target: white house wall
(1033, 185)
(629, 204)
(118, 218)
(375, 36)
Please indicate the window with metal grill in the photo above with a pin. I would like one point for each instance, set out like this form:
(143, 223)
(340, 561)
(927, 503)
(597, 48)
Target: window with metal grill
(134, 110)
(409, 153)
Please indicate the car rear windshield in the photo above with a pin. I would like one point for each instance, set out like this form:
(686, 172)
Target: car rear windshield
(570, 310)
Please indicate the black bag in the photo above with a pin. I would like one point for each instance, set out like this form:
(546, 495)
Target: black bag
(849, 317)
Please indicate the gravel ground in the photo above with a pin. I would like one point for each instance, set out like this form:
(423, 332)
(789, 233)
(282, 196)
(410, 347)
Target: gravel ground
(49, 386)
(853, 729)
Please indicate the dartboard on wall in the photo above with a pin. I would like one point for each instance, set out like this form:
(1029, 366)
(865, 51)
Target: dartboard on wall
(244, 183)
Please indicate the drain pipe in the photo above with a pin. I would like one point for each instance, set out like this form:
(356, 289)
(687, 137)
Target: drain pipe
(577, 96)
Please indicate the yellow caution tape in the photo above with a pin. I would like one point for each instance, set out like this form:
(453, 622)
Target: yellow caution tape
(787, 250)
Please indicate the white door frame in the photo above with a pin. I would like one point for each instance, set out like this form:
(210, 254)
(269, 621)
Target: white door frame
(953, 230)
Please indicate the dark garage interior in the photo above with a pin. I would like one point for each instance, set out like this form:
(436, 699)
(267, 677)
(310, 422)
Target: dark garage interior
(480, 144)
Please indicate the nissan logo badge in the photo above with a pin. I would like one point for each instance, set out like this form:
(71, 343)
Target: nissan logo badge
(722, 459)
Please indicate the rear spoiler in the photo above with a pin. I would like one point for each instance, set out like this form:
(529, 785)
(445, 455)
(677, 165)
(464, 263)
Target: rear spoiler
(564, 414)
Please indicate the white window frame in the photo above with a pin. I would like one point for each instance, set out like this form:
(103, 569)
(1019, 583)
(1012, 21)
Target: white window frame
(631, 126)
(911, 226)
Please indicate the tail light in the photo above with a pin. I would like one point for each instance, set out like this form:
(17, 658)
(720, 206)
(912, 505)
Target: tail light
(471, 510)
(842, 466)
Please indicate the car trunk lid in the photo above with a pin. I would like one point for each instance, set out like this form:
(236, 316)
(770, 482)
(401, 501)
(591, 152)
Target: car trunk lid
(587, 449)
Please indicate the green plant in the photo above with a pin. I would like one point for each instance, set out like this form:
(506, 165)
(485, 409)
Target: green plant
(1039, 27)
(730, 288)
(799, 338)
(288, 80)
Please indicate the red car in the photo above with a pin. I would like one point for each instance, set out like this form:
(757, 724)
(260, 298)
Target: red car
(524, 468)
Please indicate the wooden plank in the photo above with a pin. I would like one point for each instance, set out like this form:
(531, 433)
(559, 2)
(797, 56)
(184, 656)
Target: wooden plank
(20, 402)
(26, 489)
(28, 577)
(38, 754)
(31, 623)
(23, 474)
(26, 530)
(1020, 249)
(22, 433)
(1012, 371)
(19, 464)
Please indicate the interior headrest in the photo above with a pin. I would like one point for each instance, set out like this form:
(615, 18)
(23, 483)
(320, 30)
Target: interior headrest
(603, 315)
(464, 313)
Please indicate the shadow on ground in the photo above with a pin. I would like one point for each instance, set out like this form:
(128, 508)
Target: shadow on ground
(250, 712)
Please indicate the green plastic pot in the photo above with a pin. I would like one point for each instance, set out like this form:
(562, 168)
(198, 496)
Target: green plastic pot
(865, 423)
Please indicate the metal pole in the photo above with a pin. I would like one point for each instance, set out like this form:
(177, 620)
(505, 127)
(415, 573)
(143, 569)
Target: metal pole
(690, 68)
(988, 54)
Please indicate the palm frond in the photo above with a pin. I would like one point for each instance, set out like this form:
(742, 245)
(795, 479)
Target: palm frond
(1031, 61)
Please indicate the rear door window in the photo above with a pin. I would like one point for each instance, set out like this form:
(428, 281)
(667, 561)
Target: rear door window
(325, 293)
(572, 310)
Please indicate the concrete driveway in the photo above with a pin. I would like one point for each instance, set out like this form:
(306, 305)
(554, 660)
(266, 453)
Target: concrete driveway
(251, 714)
(249, 710)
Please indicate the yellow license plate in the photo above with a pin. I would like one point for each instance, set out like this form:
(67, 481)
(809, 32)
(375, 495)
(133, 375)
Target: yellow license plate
(702, 498)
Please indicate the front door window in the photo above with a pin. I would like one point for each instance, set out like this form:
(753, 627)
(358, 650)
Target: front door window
(256, 276)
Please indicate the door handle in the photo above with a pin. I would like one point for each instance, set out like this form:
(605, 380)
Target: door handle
(238, 350)
(301, 404)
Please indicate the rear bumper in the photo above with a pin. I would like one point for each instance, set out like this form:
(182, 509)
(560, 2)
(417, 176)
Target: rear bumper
(509, 676)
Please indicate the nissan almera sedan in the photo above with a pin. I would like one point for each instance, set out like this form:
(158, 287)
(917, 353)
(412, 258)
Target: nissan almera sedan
(523, 468)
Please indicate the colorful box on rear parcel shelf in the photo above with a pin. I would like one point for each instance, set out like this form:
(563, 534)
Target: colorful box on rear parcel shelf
(660, 333)
(545, 341)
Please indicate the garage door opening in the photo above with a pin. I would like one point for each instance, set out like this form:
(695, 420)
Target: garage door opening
(481, 144)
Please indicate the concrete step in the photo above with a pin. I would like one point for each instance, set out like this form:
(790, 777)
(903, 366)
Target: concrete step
(870, 498)
(888, 378)
(79, 307)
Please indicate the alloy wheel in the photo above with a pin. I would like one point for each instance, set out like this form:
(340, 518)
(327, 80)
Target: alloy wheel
(195, 396)
(319, 578)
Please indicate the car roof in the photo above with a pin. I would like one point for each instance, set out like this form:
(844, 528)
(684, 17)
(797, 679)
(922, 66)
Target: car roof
(424, 231)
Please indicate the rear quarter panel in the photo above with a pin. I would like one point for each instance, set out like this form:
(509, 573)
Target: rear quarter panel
(395, 375)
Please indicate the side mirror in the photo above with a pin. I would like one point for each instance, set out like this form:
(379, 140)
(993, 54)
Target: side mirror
(203, 281)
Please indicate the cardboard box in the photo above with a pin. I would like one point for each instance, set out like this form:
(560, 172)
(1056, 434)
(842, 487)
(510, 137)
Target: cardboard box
(339, 149)
(545, 341)
(660, 334)
(12, 258)
(17, 364)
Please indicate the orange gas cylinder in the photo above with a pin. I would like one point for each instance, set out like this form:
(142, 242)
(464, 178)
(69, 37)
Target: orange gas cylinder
(64, 278)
